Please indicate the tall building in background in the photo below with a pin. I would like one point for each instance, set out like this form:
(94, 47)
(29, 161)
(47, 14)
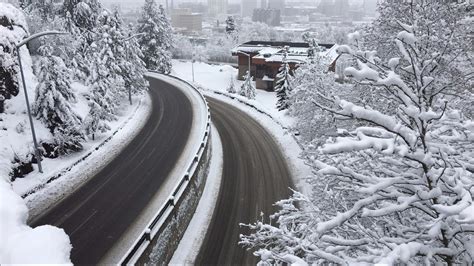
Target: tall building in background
(184, 21)
(263, 4)
(271, 17)
(247, 7)
(277, 4)
(217, 7)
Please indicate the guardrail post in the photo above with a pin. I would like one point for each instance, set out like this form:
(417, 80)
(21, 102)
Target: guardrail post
(148, 234)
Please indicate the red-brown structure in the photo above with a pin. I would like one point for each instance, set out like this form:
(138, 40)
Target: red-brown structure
(267, 57)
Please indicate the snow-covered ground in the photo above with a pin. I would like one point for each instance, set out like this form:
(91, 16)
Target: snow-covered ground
(19, 242)
(216, 78)
(74, 170)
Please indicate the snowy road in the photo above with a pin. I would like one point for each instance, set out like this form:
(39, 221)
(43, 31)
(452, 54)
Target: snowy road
(98, 214)
(255, 176)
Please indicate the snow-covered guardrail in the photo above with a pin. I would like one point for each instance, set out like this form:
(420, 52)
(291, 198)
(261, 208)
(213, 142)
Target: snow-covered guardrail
(168, 210)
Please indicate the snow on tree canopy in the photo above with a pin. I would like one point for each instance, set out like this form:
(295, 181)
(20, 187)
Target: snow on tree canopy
(155, 40)
(283, 87)
(13, 29)
(53, 98)
(396, 188)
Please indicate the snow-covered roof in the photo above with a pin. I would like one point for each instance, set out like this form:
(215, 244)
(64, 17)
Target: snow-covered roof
(273, 51)
(256, 47)
(331, 54)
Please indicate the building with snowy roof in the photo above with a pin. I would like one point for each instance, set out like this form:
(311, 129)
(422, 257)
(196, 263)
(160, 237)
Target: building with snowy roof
(267, 57)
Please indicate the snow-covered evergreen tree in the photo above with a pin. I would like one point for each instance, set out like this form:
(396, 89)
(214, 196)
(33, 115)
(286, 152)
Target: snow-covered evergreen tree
(231, 88)
(52, 102)
(283, 85)
(103, 96)
(95, 121)
(398, 189)
(248, 89)
(134, 66)
(230, 25)
(103, 91)
(156, 38)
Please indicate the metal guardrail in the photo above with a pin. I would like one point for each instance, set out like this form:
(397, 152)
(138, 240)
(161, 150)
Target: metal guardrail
(139, 246)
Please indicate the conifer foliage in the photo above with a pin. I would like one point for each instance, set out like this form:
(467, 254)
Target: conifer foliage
(156, 38)
(231, 88)
(248, 89)
(283, 87)
(52, 102)
(230, 25)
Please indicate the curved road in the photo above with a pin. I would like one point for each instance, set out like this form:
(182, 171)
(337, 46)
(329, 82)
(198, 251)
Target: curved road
(255, 176)
(98, 213)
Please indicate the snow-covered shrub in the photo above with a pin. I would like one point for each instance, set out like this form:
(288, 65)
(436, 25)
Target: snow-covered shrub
(313, 82)
(399, 188)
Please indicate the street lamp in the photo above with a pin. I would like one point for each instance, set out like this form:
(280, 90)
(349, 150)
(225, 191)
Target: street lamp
(18, 46)
(129, 87)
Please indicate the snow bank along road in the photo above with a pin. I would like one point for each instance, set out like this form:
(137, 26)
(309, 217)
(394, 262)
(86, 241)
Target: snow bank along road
(255, 176)
(100, 212)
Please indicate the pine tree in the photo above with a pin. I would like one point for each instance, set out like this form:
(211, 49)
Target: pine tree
(231, 88)
(134, 66)
(109, 62)
(102, 80)
(156, 39)
(247, 89)
(283, 86)
(52, 102)
(95, 120)
(102, 97)
(230, 25)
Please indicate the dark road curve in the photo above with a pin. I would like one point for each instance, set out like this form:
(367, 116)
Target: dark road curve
(255, 176)
(98, 213)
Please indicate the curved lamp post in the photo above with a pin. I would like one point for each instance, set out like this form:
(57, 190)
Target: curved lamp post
(126, 40)
(25, 41)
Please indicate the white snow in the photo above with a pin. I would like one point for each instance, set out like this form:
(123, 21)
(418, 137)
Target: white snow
(215, 78)
(76, 169)
(21, 243)
(193, 238)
